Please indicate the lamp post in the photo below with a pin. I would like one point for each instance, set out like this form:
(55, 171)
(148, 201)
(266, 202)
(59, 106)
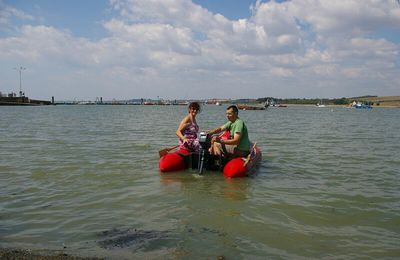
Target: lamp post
(20, 69)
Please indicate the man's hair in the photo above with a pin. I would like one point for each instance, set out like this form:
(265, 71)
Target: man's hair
(234, 108)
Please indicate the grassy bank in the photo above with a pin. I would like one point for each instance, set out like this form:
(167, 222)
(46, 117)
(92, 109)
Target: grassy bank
(375, 101)
(386, 101)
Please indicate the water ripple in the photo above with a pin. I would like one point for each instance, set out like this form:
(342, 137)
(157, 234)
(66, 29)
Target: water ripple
(328, 185)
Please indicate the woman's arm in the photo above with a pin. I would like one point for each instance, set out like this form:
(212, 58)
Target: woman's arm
(184, 123)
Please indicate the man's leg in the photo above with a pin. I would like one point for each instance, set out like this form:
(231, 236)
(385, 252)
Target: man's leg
(216, 149)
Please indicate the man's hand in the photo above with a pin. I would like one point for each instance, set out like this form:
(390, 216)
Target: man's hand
(215, 139)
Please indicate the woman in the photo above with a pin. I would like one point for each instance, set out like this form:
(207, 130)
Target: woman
(188, 129)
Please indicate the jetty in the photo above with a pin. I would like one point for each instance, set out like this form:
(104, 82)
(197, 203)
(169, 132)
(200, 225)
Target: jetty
(12, 100)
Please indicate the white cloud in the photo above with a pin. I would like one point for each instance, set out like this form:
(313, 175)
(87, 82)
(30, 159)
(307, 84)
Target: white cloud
(169, 47)
(180, 13)
(281, 72)
(351, 72)
(7, 13)
(346, 17)
(325, 69)
(155, 36)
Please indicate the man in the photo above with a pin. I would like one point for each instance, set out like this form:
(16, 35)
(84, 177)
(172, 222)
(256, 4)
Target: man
(238, 144)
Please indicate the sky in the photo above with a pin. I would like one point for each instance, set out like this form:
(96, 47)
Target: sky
(199, 49)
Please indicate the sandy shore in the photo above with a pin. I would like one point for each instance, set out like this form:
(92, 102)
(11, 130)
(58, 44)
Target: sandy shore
(20, 254)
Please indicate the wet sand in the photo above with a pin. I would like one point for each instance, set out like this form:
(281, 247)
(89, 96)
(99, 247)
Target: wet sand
(20, 254)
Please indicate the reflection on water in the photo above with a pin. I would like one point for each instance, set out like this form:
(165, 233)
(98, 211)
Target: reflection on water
(85, 180)
(224, 188)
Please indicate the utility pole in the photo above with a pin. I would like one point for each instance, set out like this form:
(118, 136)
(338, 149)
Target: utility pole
(20, 69)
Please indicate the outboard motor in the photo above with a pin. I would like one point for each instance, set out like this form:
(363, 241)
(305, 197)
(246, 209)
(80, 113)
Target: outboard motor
(203, 140)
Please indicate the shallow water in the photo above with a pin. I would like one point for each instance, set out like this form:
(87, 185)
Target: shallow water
(85, 180)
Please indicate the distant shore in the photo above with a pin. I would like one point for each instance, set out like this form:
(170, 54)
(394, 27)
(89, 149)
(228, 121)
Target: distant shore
(340, 106)
(374, 101)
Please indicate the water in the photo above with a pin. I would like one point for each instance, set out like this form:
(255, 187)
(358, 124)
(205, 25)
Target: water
(84, 180)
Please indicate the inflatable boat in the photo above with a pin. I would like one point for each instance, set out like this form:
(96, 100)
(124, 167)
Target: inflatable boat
(231, 167)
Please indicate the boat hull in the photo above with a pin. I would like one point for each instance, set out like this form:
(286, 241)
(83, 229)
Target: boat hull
(176, 161)
(240, 167)
(363, 107)
(235, 168)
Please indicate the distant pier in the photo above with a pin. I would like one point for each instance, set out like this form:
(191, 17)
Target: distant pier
(22, 101)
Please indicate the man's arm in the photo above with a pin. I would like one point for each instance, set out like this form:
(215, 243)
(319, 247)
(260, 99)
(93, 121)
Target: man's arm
(216, 130)
(234, 141)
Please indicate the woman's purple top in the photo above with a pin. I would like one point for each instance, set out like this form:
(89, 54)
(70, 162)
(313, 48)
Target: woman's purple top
(191, 134)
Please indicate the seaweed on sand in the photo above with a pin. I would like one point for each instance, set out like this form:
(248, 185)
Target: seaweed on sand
(133, 238)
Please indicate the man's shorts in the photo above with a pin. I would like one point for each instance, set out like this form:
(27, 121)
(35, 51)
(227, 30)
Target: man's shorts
(232, 149)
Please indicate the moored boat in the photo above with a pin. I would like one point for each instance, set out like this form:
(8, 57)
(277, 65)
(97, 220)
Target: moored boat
(253, 107)
(279, 105)
(361, 105)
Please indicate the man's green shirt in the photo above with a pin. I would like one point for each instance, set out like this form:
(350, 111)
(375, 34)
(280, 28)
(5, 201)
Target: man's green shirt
(239, 127)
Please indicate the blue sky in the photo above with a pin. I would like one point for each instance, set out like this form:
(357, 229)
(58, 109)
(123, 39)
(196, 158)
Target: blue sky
(83, 18)
(200, 49)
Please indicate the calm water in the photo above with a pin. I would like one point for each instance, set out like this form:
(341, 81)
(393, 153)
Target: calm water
(85, 180)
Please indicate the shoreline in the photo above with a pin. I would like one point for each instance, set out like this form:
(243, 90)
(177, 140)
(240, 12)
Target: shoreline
(25, 254)
(335, 106)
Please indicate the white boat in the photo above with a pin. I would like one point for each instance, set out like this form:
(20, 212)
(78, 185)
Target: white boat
(361, 105)
(319, 104)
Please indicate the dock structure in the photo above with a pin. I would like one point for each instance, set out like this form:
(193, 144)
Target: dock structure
(22, 101)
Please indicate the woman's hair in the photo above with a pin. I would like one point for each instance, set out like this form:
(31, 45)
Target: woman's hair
(195, 105)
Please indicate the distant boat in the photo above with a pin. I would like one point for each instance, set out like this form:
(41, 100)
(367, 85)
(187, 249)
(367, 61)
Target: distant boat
(217, 103)
(252, 107)
(272, 103)
(278, 105)
(319, 104)
(362, 106)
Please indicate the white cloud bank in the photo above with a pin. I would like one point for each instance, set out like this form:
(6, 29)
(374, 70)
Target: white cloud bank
(177, 49)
